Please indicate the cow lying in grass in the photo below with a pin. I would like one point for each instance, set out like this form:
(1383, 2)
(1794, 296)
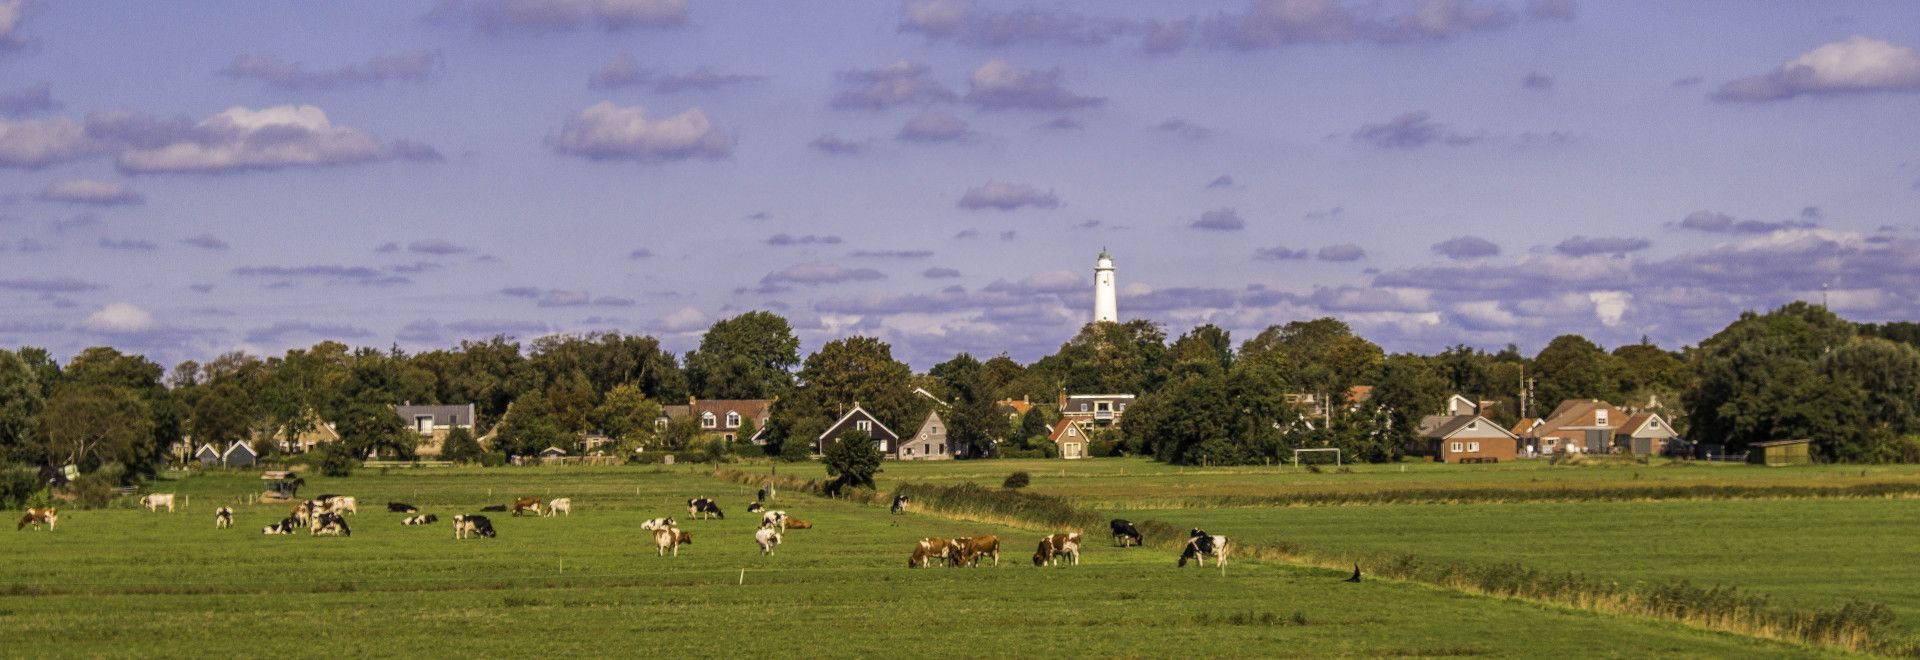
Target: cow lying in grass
(402, 507)
(1062, 548)
(1201, 545)
(421, 520)
(223, 518)
(656, 523)
(155, 501)
(560, 505)
(494, 507)
(969, 549)
(285, 526)
(525, 504)
(669, 539)
(330, 524)
(755, 508)
(930, 549)
(472, 525)
(796, 523)
(767, 537)
(36, 516)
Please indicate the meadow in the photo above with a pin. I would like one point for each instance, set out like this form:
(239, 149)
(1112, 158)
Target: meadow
(124, 582)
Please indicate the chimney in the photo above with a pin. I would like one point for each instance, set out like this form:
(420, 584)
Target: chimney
(1063, 399)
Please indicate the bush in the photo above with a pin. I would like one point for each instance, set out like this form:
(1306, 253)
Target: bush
(336, 460)
(460, 447)
(1103, 448)
(493, 459)
(1017, 480)
(92, 491)
(18, 484)
(749, 450)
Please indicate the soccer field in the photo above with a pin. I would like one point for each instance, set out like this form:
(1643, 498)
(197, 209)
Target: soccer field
(125, 582)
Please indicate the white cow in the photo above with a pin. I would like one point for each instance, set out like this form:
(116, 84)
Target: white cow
(155, 501)
(767, 537)
(343, 505)
(656, 524)
(668, 538)
(560, 505)
(776, 519)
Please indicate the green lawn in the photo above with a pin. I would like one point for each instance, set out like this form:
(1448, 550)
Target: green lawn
(123, 582)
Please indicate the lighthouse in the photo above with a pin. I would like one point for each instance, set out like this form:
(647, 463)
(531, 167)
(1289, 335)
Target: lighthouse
(1104, 307)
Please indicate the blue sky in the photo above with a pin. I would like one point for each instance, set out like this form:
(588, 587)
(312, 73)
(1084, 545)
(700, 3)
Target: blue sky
(184, 179)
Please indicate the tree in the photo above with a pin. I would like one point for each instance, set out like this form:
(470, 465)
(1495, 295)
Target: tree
(627, 414)
(750, 356)
(337, 459)
(794, 450)
(93, 424)
(1107, 357)
(221, 414)
(21, 403)
(461, 447)
(368, 429)
(1034, 422)
(1759, 380)
(1204, 349)
(1409, 389)
(100, 365)
(972, 421)
(851, 460)
(1570, 367)
(527, 428)
(843, 373)
(1321, 357)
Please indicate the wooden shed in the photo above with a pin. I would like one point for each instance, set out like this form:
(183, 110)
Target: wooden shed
(238, 455)
(1781, 452)
(207, 455)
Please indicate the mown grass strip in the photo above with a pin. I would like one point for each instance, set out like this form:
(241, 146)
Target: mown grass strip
(1856, 626)
(1523, 495)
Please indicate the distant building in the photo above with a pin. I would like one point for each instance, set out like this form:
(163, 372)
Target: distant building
(1781, 452)
(1466, 438)
(1097, 409)
(433, 422)
(929, 443)
(722, 419)
(1592, 426)
(1105, 303)
(1071, 438)
(238, 454)
(862, 421)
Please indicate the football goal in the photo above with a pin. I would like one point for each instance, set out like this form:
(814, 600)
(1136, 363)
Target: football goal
(1335, 450)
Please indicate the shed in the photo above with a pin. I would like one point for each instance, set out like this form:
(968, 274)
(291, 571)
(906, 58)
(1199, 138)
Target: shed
(207, 455)
(1780, 452)
(552, 452)
(238, 455)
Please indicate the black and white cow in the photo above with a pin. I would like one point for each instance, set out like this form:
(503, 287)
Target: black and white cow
(285, 526)
(472, 525)
(1124, 533)
(701, 507)
(1201, 545)
(657, 523)
(755, 508)
(421, 520)
(331, 524)
(223, 518)
(899, 504)
(402, 507)
(774, 519)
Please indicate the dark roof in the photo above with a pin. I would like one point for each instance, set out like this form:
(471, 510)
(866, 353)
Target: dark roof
(457, 414)
(1778, 443)
(1442, 426)
(879, 428)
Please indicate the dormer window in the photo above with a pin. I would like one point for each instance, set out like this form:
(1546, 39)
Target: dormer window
(707, 420)
(1600, 418)
(733, 420)
(863, 425)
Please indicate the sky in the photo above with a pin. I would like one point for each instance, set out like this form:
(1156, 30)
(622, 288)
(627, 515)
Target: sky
(185, 179)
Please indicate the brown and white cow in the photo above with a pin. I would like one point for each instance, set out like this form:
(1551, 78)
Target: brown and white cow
(560, 505)
(767, 538)
(929, 549)
(524, 504)
(1061, 548)
(969, 549)
(223, 518)
(669, 539)
(36, 516)
(155, 501)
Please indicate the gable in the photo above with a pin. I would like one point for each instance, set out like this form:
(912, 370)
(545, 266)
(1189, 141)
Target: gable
(852, 419)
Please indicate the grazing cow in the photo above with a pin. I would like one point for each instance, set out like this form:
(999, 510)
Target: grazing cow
(767, 537)
(421, 520)
(899, 504)
(1062, 548)
(472, 525)
(929, 549)
(342, 505)
(969, 549)
(36, 516)
(223, 518)
(656, 523)
(402, 507)
(1201, 545)
(494, 507)
(560, 505)
(796, 523)
(303, 512)
(701, 507)
(285, 526)
(155, 501)
(668, 538)
(525, 504)
(755, 508)
(331, 524)
(761, 495)
(1124, 533)
(774, 519)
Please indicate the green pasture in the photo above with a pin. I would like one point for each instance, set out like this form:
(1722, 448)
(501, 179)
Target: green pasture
(123, 582)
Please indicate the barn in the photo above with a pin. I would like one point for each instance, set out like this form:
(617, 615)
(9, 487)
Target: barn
(238, 455)
(207, 455)
(1780, 452)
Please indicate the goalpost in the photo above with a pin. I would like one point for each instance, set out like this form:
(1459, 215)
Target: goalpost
(1335, 450)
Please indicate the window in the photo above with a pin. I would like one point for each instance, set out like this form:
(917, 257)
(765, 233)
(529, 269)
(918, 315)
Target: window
(1456, 446)
(728, 437)
(733, 420)
(1072, 431)
(660, 423)
(936, 430)
(1473, 425)
(943, 450)
(1083, 407)
(1599, 418)
(883, 446)
(1473, 446)
(863, 425)
(1103, 406)
(1123, 407)
(707, 420)
(1656, 423)
(909, 451)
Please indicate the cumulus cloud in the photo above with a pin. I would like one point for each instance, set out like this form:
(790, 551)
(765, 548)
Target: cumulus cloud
(1721, 223)
(1166, 38)
(605, 131)
(1007, 196)
(92, 192)
(1856, 65)
(499, 16)
(281, 331)
(1183, 128)
(1537, 80)
(998, 84)
(437, 246)
(1221, 219)
(963, 22)
(28, 100)
(1466, 247)
(206, 241)
(1411, 130)
(1279, 253)
(785, 240)
(934, 126)
(1341, 252)
(623, 71)
(1580, 246)
(612, 301)
(686, 319)
(639, 254)
(1609, 306)
(238, 139)
(838, 146)
(417, 66)
(1279, 23)
(12, 14)
(895, 84)
(35, 143)
(119, 318)
(819, 273)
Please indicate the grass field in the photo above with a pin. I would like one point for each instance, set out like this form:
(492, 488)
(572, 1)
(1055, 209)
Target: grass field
(124, 582)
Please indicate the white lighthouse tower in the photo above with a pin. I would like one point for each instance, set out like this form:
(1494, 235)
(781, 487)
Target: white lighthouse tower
(1104, 307)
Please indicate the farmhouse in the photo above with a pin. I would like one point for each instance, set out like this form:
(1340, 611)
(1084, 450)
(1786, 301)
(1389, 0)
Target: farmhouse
(1097, 409)
(433, 423)
(929, 443)
(1464, 439)
(1071, 437)
(723, 419)
(862, 421)
(1596, 427)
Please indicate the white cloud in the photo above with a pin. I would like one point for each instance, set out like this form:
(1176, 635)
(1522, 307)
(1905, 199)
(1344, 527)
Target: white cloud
(90, 191)
(1853, 66)
(999, 84)
(241, 138)
(41, 142)
(687, 319)
(119, 318)
(605, 131)
(1609, 306)
(1007, 196)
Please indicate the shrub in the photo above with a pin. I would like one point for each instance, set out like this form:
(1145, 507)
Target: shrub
(92, 491)
(1103, 448)
(18, 483)
(493, 459)
(1017, 480)
(460, 447)
(336, 459)
(748, 450)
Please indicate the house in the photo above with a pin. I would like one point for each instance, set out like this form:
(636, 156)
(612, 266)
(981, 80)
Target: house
(433, 423)
(1644, 433)
(860, 420)
(1098, 409)
(239, 454)
(1014, 408)
(722, 418)
(1071, 437)
(929, 443)
(207, 455)
(1780, 452)
(1464, 439)
(1596, 427)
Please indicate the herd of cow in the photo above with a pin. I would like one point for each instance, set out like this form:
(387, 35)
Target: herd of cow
(326, 515)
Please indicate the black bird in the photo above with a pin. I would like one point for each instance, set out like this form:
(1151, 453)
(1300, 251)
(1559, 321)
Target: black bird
(1356, 574)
